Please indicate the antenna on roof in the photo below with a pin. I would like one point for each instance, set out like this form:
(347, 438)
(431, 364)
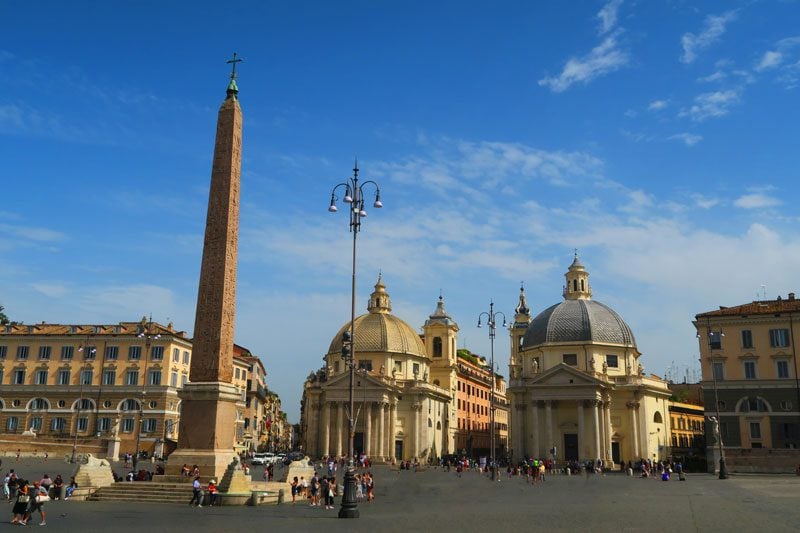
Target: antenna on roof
(763, 292)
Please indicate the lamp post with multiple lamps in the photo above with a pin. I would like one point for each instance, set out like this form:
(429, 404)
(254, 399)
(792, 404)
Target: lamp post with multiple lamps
(354, 197)
(491, 321)
(88, 355)
(148, 336)
(715, 342)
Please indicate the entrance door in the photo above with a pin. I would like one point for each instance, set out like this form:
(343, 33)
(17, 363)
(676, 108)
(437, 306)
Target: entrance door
(358, 444)
(615, 452)
(571, 446)
(398, 449)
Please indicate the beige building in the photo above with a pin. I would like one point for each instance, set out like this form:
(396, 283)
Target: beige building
(577, 389)
(94, 381)
(400, 412)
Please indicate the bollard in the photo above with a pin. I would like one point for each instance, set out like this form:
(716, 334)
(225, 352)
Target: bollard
(281, 495)
(568, 471)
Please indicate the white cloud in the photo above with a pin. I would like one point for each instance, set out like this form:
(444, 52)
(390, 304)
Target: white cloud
(605, 58)
(51, 289)
(771, 59)
(704, 202)
(756, 201)
(713, 30)
(657, 105)
(712, 105)
(689, 139)
(608, 16)
(33, 233)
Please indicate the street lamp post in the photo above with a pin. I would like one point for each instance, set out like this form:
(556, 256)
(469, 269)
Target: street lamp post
(148, 337)
(491, 321)
(354, 196)
(723, 471)
(88, 355)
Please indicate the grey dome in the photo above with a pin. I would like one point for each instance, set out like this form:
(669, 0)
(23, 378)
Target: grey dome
(578, 321)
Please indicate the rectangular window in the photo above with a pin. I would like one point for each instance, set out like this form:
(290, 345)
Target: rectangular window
(67, 352)
(155, 377)
(749, 370)
(185, 357)
(150, 425)
(779, 338)
(36, 423)
(22, 352)
(365, 364)
(44, 352)
(3, 351)
(58, 424)
(40, 378)
(747, 338)
(169, 427)
(612, 361)
(755, 430)
(719, 370)
(173, 379)
(415, 369)
(86, 376)
(89, 352)
(112, 352)
(12, 423)
(132, 377)
(104, 424)
(184, 379)
(238, 373)
(570, 359)
(783, 369)
(127, 425)
(109, 377)
(83, 424)
(134, 353)
(157, 353)
(398, 367)
(176, 355)
(715, 340)
(1, 376)
(19, 377)
(63, 377)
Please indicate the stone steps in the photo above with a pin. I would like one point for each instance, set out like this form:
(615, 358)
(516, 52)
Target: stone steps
(144, 491)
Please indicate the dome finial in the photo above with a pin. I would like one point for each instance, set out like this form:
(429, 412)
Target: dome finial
(379, 301)
(522, 307)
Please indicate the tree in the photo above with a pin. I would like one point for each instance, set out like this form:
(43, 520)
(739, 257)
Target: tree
(3, 318)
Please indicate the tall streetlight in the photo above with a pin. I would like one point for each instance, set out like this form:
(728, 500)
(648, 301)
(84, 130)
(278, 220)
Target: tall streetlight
(712, 344)
(149, 337)
(354, 196)
(491, 321)
(88, 356)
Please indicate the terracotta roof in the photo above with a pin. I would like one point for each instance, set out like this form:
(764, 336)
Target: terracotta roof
(764, 307)
(122, 328)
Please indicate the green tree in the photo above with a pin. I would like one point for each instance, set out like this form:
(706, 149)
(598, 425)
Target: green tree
(3, 318)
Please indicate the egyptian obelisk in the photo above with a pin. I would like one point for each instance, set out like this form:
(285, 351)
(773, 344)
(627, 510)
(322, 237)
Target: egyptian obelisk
(208, 408)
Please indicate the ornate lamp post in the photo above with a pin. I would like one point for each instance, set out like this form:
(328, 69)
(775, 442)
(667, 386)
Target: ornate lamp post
(89, 355)
(715, 341)
(148, 337)
(491, 321)
(354, 196)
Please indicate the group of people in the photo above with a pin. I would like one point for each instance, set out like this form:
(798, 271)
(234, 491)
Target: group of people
(30, 497)
(322, 490)
(658, 469)
(52, 487)
(198, 495)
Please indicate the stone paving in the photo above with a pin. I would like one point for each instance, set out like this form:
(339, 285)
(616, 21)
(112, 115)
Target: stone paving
(438, 501)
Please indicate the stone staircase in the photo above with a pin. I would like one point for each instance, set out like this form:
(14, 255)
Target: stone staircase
(144, 492)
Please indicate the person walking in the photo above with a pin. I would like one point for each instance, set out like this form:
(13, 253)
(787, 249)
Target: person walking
(197, 492)
(295, 489)
(38, 497)
(21, 504)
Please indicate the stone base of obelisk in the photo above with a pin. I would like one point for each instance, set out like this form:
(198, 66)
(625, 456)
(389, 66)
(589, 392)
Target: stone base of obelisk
(207, 430)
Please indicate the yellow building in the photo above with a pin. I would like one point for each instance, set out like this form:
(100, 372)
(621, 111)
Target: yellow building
(687, 431)
(93, 382)
(750, 381)
(577, 388)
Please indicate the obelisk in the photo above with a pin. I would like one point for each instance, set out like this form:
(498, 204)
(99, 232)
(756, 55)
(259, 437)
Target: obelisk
(208, 408)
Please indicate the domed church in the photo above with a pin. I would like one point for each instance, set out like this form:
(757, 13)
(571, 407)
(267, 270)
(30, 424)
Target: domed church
(577, 389)
(400, 413)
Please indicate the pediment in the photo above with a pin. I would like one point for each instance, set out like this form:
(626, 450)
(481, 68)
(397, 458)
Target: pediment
(566, 376)
(342, 381)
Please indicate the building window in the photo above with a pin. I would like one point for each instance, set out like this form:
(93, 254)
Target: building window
(89, 352)
(169, 426)
(150, 425)
(19, 377)
(173, 379)
(130, 405)
(176, 355)
(783, 369)
(3, 351)
(749, 370)
(87, 376)
(132, 377)
(38, 404)
(127, 425)
(84, 404)
(155, 377)
(184, 379)
(40, 378)
(109, 377)
(185, 357)
(715, 340)
(779, 338)
(570, 359)
(719, 370)
(238, 374)
(63, 377)
(415, 370)
(786, 405)
(157, 353)
(104, 424)
(398, 367)
(36, 423)
(747, 338)
(437, 346)
(612, 361)
(44, 352)
(58, 424)
(1, 380)
(12, 423)
(112, 352)
(134, 353)
(755, 430)
(67, 352)
(365, 364)
(22, 352)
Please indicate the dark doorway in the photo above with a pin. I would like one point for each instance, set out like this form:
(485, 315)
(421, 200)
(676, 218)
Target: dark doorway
(571, 446)
(358, 444)
(615, 452)
(398, 449)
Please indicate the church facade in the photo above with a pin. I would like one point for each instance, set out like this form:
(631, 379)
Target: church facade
(577, 388)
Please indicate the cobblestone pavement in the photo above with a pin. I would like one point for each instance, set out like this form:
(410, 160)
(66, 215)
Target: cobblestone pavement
(438, 501)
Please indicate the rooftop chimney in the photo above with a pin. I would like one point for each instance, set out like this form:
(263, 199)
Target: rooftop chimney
(791, 296)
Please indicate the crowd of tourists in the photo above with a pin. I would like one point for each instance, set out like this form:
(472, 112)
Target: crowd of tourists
(29, 498)
(321, 490)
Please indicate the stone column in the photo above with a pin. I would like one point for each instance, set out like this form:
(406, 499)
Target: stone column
(548, 420)
(326, 429)
(392, 429)
(609, 432)
(339, 427)
(381, 451)
(535, 428)
(601, 430)
(368, 430)
(415, 411)
(518, 430)
(596, 428)
(312, 432)
(632, 407)
(581, 432)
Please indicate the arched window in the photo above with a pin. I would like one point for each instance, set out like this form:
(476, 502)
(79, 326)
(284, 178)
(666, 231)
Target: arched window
(39, 404)
(657, 419)
(582, 287)
(574, 285)
(430, 424)
(129, 405)
(437, 346)
(84, 404)
(750, 404)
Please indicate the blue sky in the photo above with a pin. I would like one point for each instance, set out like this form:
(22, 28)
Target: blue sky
(659, 138)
